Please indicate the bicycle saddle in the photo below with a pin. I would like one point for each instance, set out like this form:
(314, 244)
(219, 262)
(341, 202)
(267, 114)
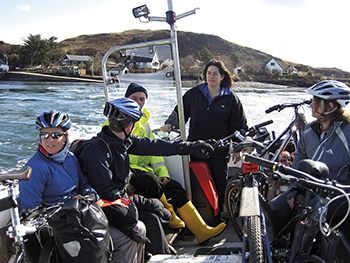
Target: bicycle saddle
(248, 142)
(315, 168)
(21, 174)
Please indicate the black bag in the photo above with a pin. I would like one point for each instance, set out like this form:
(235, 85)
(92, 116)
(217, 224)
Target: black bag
(81, 232)
(78, 145)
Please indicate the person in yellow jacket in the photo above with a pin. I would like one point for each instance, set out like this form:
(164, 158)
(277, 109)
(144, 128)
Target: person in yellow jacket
(150, 178)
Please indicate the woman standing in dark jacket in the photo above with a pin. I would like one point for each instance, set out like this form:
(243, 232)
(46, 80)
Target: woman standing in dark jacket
(214, 112)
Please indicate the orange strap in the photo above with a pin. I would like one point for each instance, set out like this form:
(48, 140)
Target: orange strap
(124, 202)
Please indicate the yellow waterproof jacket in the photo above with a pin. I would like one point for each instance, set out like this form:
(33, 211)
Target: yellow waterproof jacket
(152, 164)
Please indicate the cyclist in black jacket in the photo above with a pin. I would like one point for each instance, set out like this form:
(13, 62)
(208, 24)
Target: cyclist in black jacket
(109, 179)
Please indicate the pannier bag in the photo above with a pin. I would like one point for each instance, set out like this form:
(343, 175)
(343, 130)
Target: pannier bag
(81, 232)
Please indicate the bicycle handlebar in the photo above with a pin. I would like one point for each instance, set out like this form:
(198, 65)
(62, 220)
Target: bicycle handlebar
(238, 135)
(256, 127)
(280, 107)
(274, 166)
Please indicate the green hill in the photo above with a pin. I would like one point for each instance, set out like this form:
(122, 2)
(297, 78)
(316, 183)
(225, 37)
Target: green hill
(190, 43)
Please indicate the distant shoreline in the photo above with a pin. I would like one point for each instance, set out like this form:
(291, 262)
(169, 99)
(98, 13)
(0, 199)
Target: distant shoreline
(26, 76)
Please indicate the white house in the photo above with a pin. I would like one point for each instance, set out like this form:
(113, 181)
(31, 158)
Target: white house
(273, 65)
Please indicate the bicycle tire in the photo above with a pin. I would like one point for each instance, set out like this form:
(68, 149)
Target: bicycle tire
(256, 253)
(49, 253)
(233, 201)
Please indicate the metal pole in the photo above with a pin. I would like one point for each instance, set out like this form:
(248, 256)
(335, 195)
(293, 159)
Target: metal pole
(185, 158)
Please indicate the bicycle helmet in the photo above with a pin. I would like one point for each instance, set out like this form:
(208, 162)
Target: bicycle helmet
(53, 119)
(123, 110)
(331, 90)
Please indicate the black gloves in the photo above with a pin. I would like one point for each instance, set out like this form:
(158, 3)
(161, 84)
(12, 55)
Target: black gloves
(133, 233)
(90, 196)
(198, 149)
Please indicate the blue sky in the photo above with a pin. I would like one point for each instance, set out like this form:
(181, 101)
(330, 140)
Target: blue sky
(311, 32)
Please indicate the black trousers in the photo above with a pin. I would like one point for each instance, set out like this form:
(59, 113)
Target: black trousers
(155, 233)
(149, 185)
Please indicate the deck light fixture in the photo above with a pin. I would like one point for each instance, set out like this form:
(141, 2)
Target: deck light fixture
(141, 11)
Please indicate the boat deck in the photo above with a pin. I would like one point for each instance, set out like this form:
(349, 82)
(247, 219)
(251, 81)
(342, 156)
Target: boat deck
(224, 248)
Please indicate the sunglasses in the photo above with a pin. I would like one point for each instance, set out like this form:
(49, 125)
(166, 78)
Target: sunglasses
(54, 135)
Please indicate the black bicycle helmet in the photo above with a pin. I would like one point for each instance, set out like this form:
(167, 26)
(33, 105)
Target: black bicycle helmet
(123, 110)
(331, 90)
(53, 119)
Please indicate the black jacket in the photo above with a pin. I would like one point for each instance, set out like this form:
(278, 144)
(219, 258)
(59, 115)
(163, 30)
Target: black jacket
(217, 120)
(109, 179)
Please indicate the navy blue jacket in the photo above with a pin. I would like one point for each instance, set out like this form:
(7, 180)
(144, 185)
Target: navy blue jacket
(109, 179)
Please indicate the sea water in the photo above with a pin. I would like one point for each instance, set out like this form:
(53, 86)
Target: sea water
(22, 102)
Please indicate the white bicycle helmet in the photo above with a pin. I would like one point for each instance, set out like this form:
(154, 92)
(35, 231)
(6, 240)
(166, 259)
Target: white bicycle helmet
(331, 90)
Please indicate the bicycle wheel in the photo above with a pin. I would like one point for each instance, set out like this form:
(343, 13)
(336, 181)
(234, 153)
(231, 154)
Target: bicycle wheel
(233, 201)
(49, 253)
(256, 253)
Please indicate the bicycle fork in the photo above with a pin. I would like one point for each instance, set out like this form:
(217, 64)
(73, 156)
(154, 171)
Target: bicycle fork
(16, 230)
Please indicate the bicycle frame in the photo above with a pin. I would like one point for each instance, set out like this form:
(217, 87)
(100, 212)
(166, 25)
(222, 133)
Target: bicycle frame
(292, 131)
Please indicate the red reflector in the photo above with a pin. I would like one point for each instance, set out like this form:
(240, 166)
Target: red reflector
(249, 168)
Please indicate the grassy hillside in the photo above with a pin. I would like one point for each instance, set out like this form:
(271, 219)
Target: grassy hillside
(190, 43)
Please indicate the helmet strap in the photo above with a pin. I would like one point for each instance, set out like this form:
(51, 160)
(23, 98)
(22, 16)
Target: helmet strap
(125, 133)
(328, 112)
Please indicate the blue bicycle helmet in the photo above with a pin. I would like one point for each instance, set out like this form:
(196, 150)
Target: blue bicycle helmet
(331, 90)
(123, 110)
(53, 119)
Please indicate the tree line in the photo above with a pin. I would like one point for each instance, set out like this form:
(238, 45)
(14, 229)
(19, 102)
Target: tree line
(35, 52)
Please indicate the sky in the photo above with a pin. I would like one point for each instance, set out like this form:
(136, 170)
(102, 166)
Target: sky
(309, 32)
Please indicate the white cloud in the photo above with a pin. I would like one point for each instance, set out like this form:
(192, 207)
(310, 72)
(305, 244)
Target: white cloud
(24, 7)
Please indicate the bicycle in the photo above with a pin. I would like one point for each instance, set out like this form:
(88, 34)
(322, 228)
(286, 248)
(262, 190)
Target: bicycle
(285, 143)
(32, 222)
(16, 230)
(292, 131)
(248, 211)
(308, 237)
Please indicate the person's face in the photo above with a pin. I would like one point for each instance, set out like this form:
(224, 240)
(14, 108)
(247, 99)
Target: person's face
(53, 145)
(213, 76)
(139, 97)
(316, 107)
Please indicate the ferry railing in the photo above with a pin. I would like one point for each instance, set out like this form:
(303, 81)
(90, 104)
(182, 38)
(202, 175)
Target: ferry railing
(142, 12)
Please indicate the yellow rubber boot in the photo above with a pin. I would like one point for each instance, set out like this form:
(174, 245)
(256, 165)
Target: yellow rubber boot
(196, 224)
(175, 222)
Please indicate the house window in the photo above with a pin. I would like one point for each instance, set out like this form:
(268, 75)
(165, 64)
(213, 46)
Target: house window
(272, 64)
